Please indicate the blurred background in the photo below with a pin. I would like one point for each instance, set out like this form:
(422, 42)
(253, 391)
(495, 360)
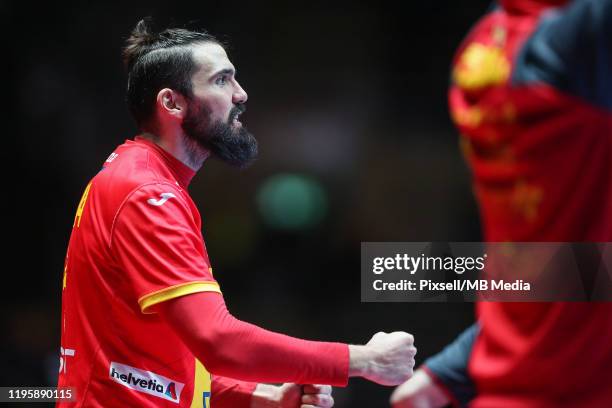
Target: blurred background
(348, 102)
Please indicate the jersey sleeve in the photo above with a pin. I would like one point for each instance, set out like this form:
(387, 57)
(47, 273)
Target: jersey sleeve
(230, 393)
(572, 51)
(249, 352)
(449, 367)
(158, 246)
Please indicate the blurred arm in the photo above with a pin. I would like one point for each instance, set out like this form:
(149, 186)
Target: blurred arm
(421, 391)
(442, 379)
(572, 51)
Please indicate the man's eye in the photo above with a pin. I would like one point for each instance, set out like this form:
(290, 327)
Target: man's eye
(221, 80)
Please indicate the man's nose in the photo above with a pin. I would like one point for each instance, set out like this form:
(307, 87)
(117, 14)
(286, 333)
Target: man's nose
(240, 95)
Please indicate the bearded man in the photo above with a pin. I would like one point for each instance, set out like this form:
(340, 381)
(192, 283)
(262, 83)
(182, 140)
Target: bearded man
(143, 319)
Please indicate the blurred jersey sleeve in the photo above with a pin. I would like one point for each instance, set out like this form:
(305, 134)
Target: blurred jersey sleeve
(448, 368)
(572, 51)
(158, 246)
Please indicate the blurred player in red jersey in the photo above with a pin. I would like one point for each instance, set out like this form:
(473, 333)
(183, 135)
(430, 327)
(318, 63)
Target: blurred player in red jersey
(143, 320)
(532, 98)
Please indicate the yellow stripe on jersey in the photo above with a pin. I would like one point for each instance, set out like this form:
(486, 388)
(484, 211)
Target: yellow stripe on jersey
(64, 278)
(79, 213)
(201, 387)
(175, 291)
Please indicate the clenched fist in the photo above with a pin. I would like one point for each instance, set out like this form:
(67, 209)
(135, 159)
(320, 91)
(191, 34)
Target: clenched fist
(292, 396)
(387, 359)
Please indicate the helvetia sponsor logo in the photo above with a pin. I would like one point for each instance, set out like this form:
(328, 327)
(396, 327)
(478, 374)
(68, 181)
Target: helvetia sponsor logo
(146, 381)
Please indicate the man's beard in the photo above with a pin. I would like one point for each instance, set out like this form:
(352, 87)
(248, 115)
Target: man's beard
(235, 146)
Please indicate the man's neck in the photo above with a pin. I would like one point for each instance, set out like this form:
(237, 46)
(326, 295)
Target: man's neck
(181, 147)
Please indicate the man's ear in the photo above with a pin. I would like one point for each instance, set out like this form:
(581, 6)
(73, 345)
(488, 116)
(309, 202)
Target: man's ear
(171, 104)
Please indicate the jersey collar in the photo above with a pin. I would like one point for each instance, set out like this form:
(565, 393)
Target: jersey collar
(180, 170)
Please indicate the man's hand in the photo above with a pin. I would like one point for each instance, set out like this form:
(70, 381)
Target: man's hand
(292, 396)
(419, 392)
(387, 359)
(317, 396)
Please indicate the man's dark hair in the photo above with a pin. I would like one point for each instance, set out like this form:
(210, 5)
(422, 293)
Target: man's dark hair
(159, 60)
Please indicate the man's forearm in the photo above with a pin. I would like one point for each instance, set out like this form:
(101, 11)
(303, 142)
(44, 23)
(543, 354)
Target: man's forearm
(236, 349)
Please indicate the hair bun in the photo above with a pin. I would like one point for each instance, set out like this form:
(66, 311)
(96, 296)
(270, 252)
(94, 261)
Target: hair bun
(139, 41)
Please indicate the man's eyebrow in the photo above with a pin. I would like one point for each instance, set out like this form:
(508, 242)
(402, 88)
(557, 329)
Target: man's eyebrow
(225, 71)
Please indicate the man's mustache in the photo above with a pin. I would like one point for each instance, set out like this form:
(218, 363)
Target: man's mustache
(237, 110)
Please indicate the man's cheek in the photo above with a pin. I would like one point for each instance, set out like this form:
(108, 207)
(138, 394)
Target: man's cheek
(221, 113)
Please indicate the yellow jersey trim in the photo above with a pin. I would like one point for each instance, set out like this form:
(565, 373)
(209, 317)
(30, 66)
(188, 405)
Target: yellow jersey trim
(201, 387)
(175, 291)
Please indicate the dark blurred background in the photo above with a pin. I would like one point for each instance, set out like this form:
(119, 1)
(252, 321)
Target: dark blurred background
(348, 102)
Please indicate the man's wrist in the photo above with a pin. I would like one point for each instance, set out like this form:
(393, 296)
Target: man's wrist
(265, 396)
(360, 358)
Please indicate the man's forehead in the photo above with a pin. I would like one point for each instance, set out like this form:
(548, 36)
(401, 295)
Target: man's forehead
(211, 58)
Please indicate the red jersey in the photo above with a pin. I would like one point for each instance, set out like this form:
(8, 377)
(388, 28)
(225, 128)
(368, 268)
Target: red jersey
(538, 138)
(136, 242)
